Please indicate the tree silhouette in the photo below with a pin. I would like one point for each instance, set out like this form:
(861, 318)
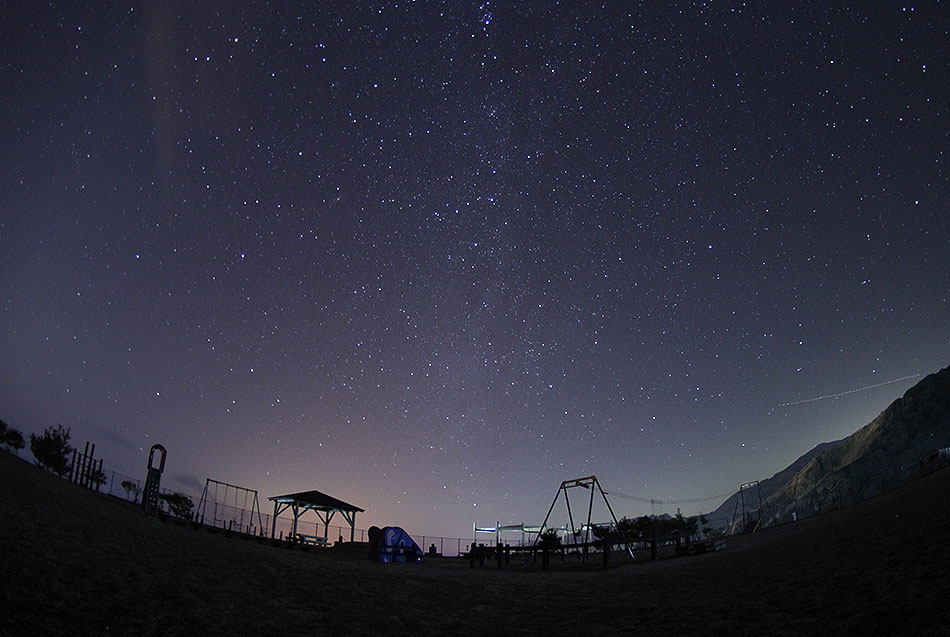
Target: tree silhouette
(606, 532)
(550, 539)
(179, 504)
(97, 477)
(51, 450)
(703, 525)
(132, 488)
(11, 438)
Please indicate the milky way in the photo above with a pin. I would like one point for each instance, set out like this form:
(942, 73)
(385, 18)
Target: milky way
(435, 258)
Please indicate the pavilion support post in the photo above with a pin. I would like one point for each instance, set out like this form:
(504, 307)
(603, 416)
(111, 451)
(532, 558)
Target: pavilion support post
(351, 520)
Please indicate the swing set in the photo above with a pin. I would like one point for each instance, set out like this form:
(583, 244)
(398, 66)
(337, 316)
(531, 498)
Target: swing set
(224, 496)
(585, 483)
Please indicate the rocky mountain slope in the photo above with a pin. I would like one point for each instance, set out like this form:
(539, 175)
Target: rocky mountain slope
(722, 516)
(899, 445)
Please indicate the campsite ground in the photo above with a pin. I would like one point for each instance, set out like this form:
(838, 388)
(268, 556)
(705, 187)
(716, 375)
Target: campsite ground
(75, 562)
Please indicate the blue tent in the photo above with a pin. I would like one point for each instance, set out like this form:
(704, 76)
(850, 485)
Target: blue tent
(392, 544)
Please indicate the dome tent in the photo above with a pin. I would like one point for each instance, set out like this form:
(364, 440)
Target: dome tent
(393, 544)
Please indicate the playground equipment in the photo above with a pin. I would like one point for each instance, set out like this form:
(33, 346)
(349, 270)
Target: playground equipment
(153, 481)
(85, 469)
(219, 493)
(750, 521)
(392, 544)
(585, 483)
(498, 530)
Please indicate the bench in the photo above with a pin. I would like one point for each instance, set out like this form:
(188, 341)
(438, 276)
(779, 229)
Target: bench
(314, 540)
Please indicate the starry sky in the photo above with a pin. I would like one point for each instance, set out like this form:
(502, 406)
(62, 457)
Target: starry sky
(433, 258)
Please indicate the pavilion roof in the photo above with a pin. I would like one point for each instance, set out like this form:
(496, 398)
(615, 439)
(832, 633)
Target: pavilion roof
(315, 500)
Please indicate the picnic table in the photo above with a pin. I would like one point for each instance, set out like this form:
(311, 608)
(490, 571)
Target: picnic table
(314, 540)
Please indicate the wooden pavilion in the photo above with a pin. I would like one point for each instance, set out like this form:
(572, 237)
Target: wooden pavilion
(323, 505)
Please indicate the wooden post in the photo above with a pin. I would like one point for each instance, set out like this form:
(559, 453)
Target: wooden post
(91, 467)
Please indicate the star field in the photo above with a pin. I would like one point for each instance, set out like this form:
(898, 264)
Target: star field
(434, 258)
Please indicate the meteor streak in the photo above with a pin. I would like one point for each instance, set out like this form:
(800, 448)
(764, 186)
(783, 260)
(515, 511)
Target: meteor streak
(845, 393)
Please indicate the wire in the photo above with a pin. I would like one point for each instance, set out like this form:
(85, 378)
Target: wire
(656, 501)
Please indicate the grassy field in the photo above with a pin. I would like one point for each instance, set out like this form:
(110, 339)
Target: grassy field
(75, 562)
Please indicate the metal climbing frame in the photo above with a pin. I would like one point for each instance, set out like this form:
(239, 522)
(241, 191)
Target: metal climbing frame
(585, 483)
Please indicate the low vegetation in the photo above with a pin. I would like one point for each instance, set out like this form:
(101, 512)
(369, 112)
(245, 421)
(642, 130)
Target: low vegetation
(179, 504)
(11, 439)
(51, 450)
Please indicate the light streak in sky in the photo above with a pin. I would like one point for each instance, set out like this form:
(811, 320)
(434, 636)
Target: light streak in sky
(845, 393)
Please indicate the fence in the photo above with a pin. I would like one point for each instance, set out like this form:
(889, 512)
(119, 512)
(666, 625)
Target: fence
(241, 520)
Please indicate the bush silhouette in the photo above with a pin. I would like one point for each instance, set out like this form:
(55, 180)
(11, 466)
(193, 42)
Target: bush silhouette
(132, 488)
(550, 539)
(11, 438)
(51, 450)
(179, 504)
(97, 477)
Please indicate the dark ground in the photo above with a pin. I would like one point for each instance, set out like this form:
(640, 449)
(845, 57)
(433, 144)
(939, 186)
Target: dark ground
(75, 562)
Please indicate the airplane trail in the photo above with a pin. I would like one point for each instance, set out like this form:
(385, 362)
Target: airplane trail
(845, 393)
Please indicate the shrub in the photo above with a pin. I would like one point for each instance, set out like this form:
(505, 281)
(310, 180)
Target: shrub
(11, 438)
(97, 477)
(179, 504)
(51, 450)
(550, 539)
(132, 489)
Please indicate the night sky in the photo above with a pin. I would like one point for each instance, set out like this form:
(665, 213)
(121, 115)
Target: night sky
(435, 258)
